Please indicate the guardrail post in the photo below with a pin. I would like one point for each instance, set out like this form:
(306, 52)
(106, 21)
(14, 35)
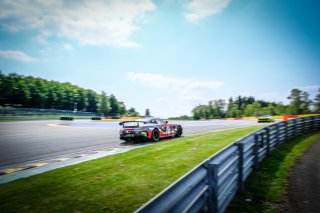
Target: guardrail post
(285, 131)
(294, 127)
(299, 126)
(256, 152)
(213, 170)
(268, 140)
(303, 120)
(277, 134)
(211, 187)
(309, 126)
(314, 123)
(240, 167)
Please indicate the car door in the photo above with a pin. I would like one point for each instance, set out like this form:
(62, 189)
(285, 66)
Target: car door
(164, 128)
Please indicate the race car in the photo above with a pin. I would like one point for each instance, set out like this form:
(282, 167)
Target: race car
(151, 129)
(265, 118)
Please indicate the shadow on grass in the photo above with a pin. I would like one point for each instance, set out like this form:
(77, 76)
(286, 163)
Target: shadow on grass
(264, 190)
(147, 142)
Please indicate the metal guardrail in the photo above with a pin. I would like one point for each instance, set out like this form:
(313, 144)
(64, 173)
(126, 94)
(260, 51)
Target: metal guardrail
(211, 186)
(35, 111)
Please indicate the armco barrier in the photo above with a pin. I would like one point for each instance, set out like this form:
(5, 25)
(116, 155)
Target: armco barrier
(211, 186)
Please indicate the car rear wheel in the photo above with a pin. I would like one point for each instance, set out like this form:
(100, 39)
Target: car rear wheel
(155, 135)
(179, 131)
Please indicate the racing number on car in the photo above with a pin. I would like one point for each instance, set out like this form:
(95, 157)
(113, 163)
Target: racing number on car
(164, 128)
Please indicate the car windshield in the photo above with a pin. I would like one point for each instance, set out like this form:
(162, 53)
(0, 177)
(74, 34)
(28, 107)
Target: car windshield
(160, 121)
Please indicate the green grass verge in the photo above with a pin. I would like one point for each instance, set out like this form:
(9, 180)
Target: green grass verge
(118, 183)
(265, 190)
(12, 120)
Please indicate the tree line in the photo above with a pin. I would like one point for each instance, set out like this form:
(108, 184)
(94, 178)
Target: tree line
(249, 106)
(30, 92)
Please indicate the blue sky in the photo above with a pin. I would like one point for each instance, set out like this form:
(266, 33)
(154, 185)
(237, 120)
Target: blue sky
(167, 55)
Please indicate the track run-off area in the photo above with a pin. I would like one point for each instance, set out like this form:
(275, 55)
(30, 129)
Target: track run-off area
(29, 144)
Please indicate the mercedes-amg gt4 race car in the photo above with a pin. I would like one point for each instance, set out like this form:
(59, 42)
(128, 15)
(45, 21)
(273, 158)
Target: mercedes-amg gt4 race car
(266, 118)
(151, 129)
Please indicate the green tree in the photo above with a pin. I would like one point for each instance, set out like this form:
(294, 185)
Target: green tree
(201, 112)
(122, 108)
(114, 106)
(104, 106)
(317, 102)
(268, 110)
(220, 105)
(21, 93)
(82, 99)
(249, 110)
(306, 103)
(2, 88)
(299, 102)
(132, 112)
(147, 112)
(295, 101)
(92, 101)
(235, 112)
(254, 109)
(230, 107)
(238, 107)
(31, 92)
(38, 94)
(280, 109)
(216, 108)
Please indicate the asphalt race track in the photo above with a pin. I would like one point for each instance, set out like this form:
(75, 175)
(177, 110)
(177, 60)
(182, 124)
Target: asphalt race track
(27, 141)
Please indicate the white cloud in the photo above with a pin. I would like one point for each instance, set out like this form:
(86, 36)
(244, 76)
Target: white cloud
(310, 88)
(174, 96)
(166, 82)
(191, 99)
(199, 9)
(68, 47)
(164, 100)
(16, 55)
(90, 22)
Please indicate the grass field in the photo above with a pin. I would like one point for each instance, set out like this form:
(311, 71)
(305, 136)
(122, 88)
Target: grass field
(265, 191)
(119, 183)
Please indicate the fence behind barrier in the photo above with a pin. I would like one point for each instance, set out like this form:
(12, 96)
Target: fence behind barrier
(211, 186)
(34, 111)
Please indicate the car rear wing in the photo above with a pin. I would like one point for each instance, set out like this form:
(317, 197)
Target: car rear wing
(123, 123)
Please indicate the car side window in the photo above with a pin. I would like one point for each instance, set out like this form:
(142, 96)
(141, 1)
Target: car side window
(160, 121)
